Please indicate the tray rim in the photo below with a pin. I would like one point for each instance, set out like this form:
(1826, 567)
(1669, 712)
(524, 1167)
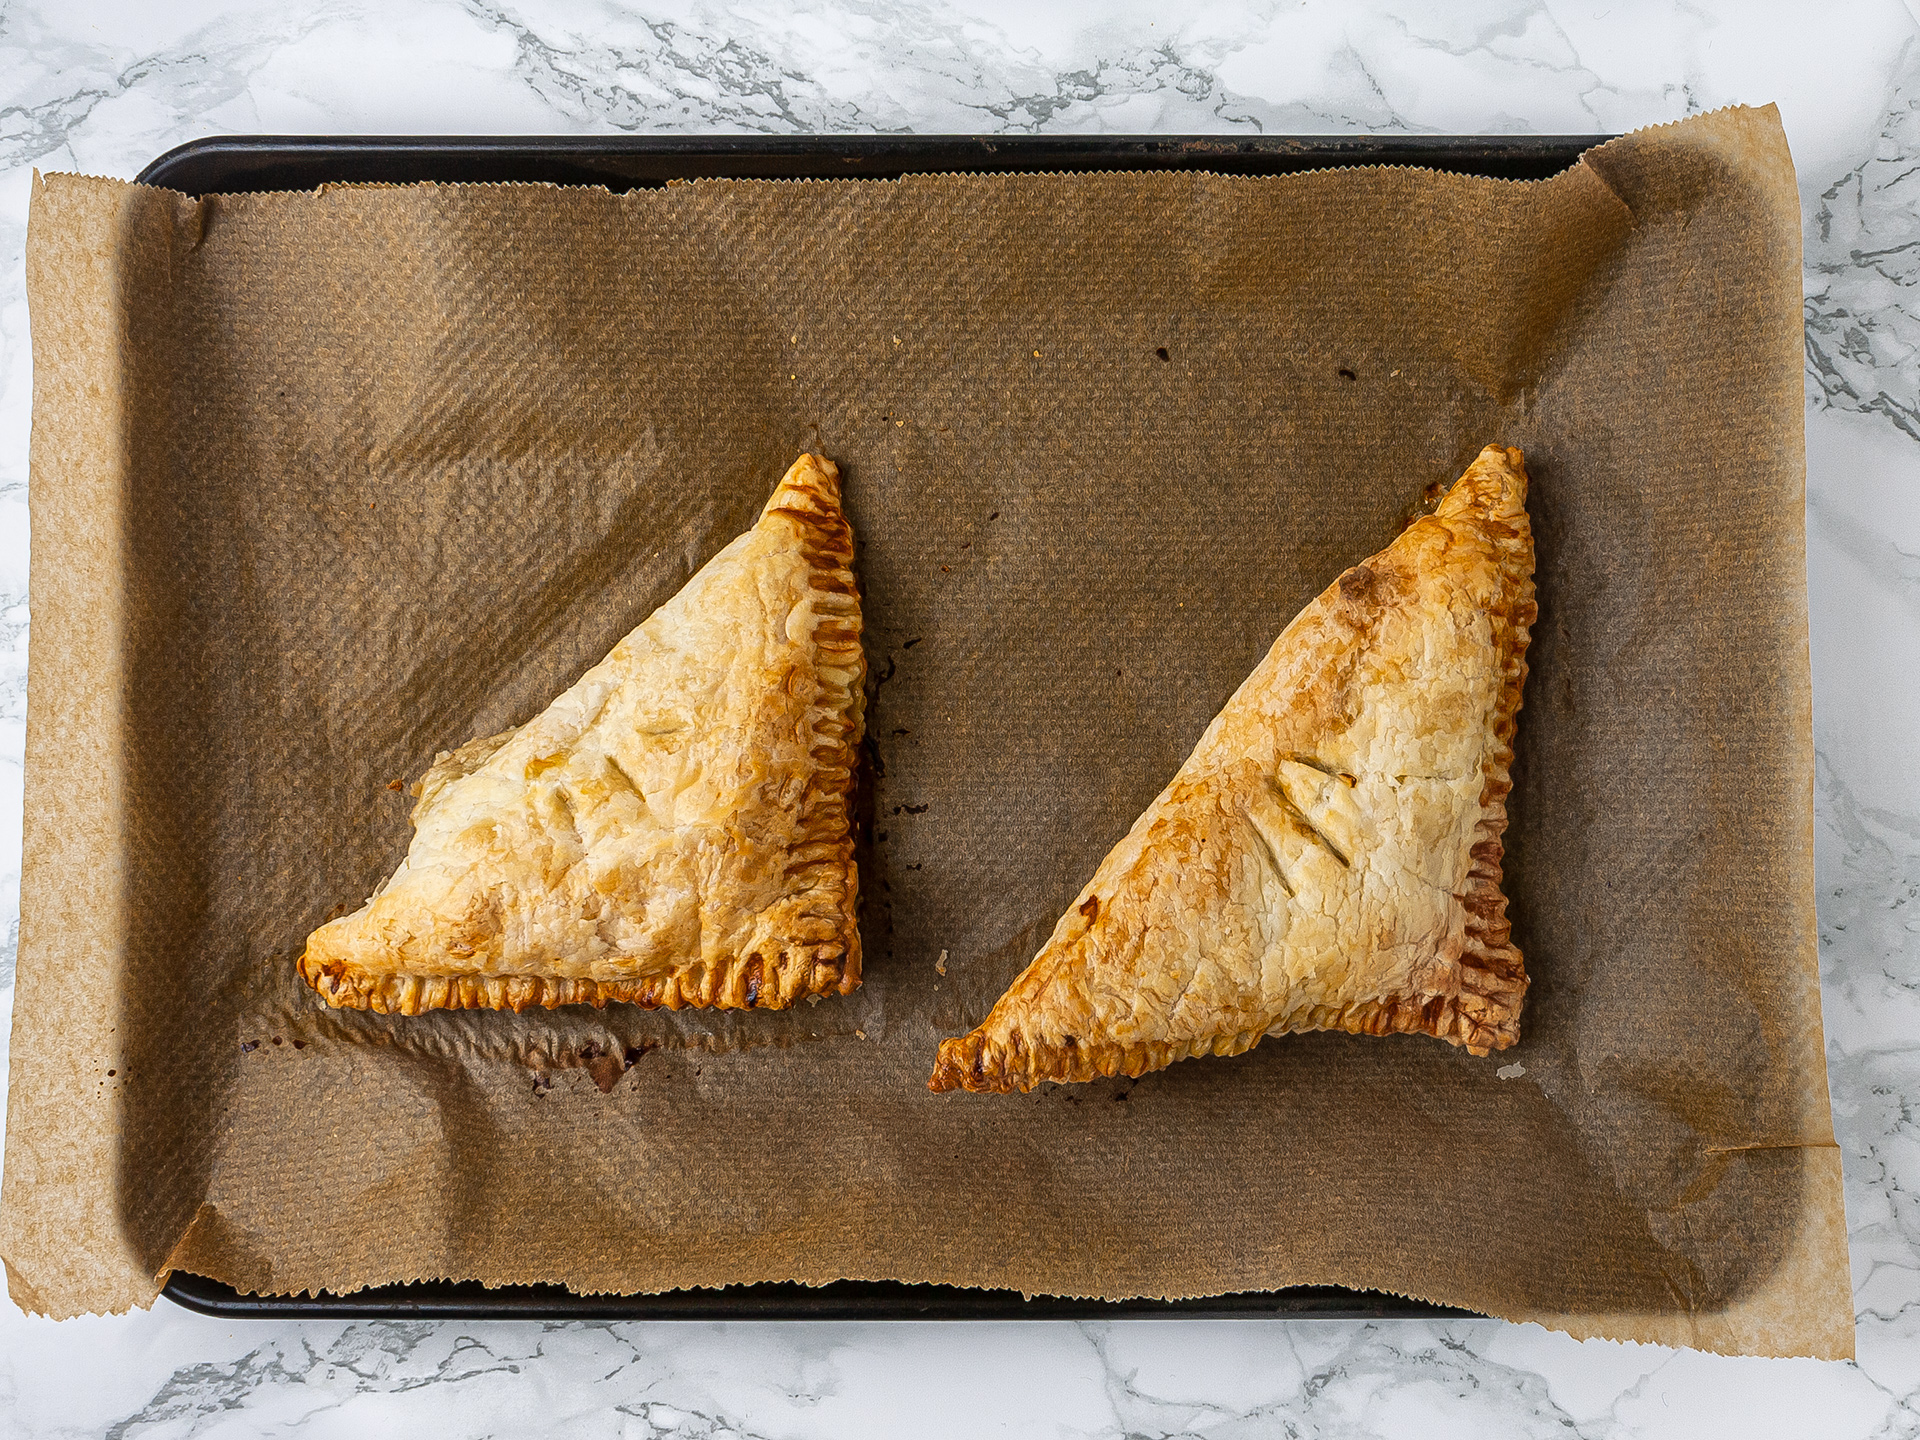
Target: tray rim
(264, 163)
(841, 1300)
(629, 161)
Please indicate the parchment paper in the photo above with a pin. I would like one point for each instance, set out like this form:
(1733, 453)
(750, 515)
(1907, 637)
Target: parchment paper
(324, 483)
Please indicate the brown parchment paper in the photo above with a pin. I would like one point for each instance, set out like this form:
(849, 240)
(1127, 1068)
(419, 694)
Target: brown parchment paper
(323, 483)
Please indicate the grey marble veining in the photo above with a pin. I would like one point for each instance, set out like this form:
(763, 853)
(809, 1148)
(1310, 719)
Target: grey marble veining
(1862, 255)
(1863, 386)
(103, 87)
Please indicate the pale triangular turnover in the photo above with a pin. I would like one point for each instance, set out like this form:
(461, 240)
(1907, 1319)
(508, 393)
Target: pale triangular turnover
(1329, 857)
(674, 830)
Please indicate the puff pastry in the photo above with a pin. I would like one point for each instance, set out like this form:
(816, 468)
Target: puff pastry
(1329, 857)
(674, 830)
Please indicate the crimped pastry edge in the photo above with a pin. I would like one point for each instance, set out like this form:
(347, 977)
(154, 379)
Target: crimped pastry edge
(770, 979)
(740, 983)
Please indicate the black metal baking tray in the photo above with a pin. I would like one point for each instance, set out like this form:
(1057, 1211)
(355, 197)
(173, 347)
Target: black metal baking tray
(237, 163)
(231, 163)
(842, 1300)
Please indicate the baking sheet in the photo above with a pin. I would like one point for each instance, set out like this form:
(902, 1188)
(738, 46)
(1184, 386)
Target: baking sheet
(230, 164)
(363, 472)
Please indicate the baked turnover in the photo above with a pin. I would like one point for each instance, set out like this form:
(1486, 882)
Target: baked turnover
(674, 830)
(1329, 857)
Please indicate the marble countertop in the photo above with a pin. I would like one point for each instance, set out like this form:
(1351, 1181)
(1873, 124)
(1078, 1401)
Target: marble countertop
(103, 86)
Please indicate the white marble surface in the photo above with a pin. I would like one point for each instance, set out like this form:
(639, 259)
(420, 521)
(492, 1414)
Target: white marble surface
(103, 87)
